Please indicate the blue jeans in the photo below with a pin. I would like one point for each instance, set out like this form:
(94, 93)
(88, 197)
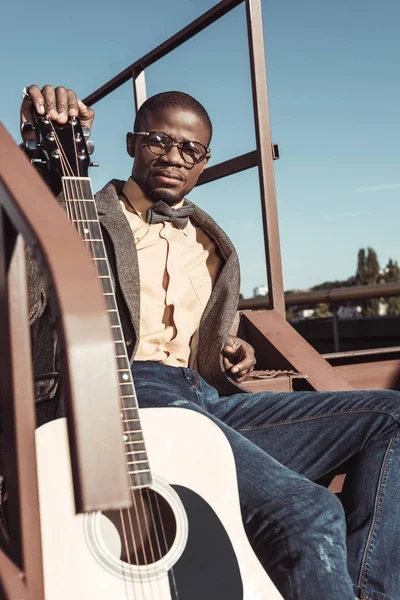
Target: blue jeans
(312, 545)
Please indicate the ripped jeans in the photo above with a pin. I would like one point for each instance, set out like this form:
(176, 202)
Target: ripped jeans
(312, 545)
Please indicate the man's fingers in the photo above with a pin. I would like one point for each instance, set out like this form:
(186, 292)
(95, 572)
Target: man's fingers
(62, 104)
(50, 104)
(37, 99)
(86, 114)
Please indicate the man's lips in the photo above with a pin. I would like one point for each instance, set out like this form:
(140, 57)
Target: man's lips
(167, 176)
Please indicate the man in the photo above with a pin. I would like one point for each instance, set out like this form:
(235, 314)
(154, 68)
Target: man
(282, 442)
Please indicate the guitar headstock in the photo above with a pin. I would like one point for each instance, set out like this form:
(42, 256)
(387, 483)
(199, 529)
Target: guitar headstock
(62, 148)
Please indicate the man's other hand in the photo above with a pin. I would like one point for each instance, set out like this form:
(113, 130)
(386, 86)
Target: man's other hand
(239, 358)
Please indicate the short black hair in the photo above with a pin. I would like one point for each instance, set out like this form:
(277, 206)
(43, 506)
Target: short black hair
(172, 99)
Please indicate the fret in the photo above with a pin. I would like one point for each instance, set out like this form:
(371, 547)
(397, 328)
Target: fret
(128, 396)
(116, 333)
(114, 319)
(135, 442)
(137, 462)
(122, 361)
(131, 420)
(96, 249)
(136, 452)
(80, 199)
(120, 347)
(101, 266)
(132, 417)
(84, 220)
(138, 471)
(111, 309)
(140, 480)
(90, 231)
(82, 210)
(134, 437)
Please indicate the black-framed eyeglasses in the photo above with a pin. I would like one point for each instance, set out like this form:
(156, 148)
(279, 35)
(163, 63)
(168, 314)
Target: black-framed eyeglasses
(160, 143)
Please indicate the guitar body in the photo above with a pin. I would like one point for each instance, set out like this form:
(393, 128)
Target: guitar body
(207, 558)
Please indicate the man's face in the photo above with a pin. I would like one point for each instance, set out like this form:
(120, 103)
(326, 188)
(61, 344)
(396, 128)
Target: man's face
(169, 177)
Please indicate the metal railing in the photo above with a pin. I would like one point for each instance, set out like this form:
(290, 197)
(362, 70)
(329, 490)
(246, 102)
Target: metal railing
(30, 215)
(264, 154)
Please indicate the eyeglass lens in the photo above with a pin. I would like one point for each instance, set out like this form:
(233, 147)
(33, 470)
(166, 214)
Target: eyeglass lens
(160, 143)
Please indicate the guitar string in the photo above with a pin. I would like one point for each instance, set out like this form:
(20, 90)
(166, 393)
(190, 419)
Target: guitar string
(140, 491)
(71, 208)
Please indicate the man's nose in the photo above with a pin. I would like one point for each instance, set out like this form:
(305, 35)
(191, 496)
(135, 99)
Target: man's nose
(173, 157)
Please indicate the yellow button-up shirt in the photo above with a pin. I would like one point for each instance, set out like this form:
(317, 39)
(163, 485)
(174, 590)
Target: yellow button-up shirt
(178, 268)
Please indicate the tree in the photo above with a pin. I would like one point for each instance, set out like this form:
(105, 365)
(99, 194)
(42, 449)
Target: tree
(368, 273)
(392, 275)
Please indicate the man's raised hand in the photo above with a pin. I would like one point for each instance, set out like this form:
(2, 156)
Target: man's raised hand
(59, 103)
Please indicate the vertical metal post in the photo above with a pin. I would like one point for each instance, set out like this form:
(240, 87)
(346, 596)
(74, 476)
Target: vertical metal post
(18, 414)
(335, 327)
(265, 156)
(139, 88)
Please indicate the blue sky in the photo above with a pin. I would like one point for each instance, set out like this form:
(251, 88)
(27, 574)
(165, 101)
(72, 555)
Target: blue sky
(334, 88)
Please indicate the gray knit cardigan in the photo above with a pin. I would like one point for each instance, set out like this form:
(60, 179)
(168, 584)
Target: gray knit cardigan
(215, 323)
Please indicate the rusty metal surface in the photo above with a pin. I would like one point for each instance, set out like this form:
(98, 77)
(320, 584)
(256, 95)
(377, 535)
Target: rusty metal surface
(229, 167)
(18, 417)
(91, 383)
(331, 296)
(381, 374)
(265, 156)
(281, 347)
(357, 354)
(12, 580)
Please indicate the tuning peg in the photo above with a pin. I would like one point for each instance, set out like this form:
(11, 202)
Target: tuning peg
(86, 132)
(90, 146)
(93, 164)
(31, 146)
(38, 161)
(27, 127)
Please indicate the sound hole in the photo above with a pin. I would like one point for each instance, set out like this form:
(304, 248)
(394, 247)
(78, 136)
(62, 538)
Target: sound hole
(142, 534)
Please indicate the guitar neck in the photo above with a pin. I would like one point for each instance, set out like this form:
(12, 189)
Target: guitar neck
(82, 212)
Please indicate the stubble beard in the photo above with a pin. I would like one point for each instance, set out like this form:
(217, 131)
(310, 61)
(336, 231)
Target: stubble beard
(155, 195)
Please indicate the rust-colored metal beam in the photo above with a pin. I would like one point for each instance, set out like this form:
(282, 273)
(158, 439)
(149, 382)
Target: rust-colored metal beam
(87, 348)
(209, 17)
(265, 156)
(18, 417)
(229, 167)
(281, 347)
(330, 296)
(12, 580)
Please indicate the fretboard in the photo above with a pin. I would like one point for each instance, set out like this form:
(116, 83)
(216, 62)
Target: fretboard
(82, 212)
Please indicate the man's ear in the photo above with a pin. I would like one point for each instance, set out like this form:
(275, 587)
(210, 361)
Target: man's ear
(205, 161)
(130, 144)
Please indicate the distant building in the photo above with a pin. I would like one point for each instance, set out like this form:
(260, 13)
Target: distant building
(260, 290)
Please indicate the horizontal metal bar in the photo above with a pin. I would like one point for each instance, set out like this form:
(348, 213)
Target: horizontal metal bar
(361, 353)
(229, 167)
(209, 17)
(332, 295)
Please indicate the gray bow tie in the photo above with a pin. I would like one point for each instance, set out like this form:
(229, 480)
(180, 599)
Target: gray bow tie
(161, 211)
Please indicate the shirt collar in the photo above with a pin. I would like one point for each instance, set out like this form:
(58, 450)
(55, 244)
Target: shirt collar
(138, 203)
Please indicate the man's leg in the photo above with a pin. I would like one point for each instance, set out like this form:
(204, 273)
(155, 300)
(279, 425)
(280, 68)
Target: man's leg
(297, 528)
(325, 433)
